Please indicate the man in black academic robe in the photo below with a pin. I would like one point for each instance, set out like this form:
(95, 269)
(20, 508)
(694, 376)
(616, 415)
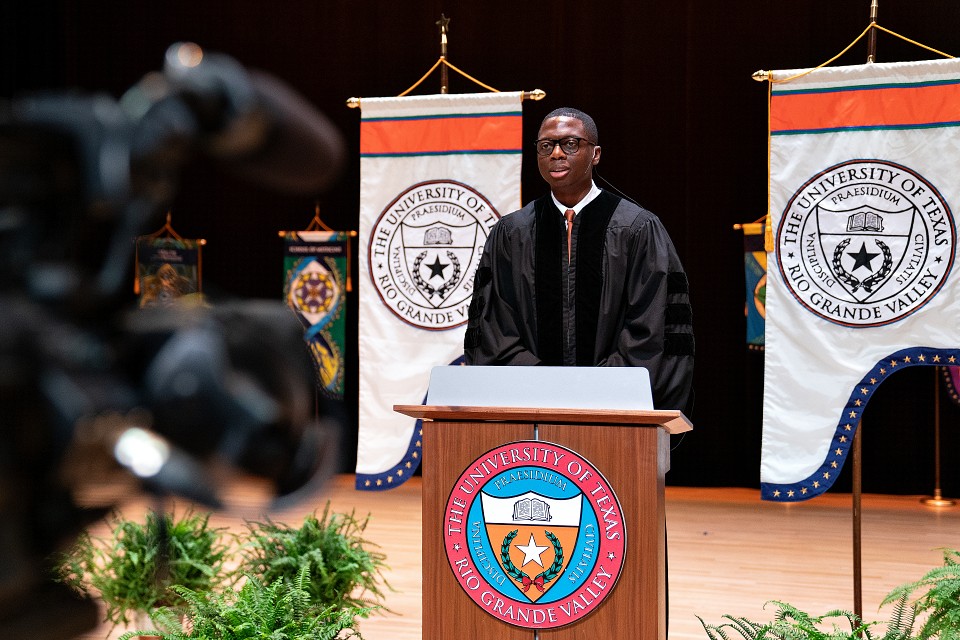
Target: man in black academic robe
(605, 289)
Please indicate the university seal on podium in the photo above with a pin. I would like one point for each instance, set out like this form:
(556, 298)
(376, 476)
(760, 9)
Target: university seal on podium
(534, 534)
(424, 250)
(865, 243)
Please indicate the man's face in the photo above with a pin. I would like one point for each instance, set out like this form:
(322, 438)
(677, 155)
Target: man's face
(567, 173)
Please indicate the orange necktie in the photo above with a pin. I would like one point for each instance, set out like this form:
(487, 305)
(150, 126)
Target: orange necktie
(568, 214)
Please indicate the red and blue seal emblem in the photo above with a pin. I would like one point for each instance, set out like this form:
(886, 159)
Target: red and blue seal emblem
(534, 534)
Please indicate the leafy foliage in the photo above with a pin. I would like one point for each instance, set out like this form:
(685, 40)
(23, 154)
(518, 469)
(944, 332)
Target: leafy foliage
(344, 571)
(281, 610)
(134, 568)
(790, 623)
(938, 606)
(940, 600)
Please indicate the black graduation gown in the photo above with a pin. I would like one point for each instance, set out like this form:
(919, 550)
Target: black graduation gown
(621, 301)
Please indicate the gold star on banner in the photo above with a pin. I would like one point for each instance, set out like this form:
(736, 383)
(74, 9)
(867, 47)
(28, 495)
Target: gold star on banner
(399, 473)
(936, 358)
(389, 479)
(883, 371)
(379, 482)
(409, 464)
(419, 445)
(776, 494)
(858, 403)
(803, 491)
(826, 475)
(952, 359)
(921, 358)
(906, 359)
(893, 363)
(839, 452)
(853, 414)
(846, 427)
(833, 464)
(790, 493)
(415, 454)
(367, 483)
(816, 484)
(864, 391)
(873, 381)
(843, 438)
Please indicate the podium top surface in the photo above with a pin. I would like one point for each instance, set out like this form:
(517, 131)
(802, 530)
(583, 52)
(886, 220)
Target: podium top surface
(670, 420)
(625, 388)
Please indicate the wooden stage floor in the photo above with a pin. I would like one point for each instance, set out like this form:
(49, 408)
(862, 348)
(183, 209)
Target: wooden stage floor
(729, 552)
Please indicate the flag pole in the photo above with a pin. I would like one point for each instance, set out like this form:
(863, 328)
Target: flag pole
(872, 37)
(857, 522)
(444, 24)
(857, 444)
(937, 500)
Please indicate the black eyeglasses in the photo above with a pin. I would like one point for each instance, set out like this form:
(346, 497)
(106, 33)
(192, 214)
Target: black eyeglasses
(569, 146)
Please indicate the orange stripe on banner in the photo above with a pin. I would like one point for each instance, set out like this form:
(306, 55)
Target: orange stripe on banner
(439, 135)
(853, 108)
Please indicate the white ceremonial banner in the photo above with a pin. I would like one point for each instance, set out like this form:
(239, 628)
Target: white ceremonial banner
(436, 173)
(863, 189)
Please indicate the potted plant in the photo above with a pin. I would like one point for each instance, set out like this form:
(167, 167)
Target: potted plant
(133, 568)
(345, 571)
(258, 611)
(937, 606)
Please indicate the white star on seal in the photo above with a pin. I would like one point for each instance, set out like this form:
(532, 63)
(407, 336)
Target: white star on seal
(531, 552)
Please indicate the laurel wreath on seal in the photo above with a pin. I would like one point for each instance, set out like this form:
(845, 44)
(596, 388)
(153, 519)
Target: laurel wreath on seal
(423, 285)
(524, 578)
(867, 283)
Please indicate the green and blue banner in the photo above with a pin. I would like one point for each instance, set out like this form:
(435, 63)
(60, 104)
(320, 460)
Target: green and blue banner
(315, 288)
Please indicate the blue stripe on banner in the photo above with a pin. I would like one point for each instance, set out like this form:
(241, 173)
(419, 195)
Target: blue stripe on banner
(824, 477)
(446, 116)
(866, 87)
(443, 153)
(403, 470)
(891, 127)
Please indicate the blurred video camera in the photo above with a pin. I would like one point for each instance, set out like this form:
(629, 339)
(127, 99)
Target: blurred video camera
(175, 398)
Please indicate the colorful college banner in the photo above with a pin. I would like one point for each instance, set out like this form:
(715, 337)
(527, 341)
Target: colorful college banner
(952, 377)
(861, 281)
(314, 286)
(436, 172)
(755, 273)
(168, 271)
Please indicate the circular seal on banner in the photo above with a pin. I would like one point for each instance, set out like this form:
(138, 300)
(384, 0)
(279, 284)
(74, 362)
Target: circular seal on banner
(424, 250)
(866, 243)
(534, 534)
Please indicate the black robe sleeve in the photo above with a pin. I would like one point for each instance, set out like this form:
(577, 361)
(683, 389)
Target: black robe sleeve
(655, 328)
(496, 331)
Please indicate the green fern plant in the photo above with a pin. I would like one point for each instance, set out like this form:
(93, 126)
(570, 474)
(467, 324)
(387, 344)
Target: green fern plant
(938, 605)
(346, 570)
(281, 610)
(790, 623)
(939, 601)
(133, 569)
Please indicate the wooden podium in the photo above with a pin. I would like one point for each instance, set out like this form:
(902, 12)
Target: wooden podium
(630, 448)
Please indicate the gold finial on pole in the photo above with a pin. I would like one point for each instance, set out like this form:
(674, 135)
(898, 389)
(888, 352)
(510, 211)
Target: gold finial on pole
(444, 24)
(535, 95)
(761, 75)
